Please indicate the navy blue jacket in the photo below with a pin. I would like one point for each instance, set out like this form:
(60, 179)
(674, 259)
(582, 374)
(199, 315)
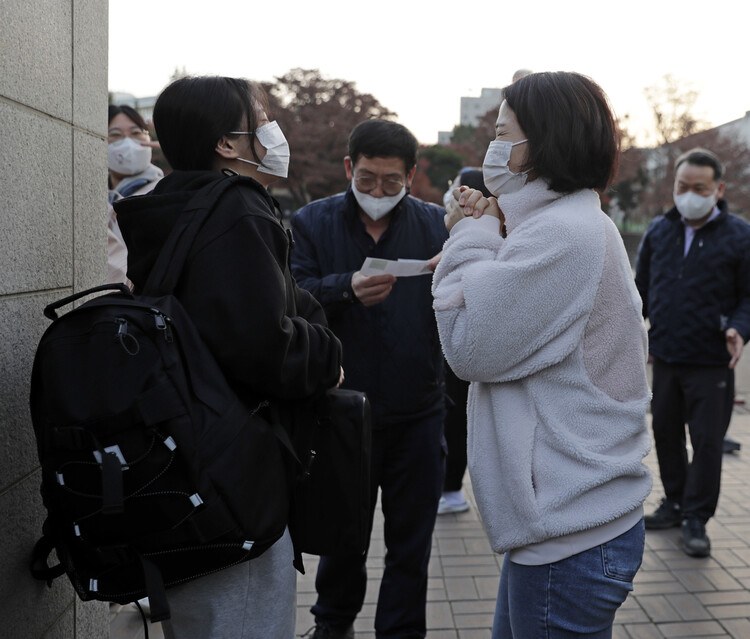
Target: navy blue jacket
(390, 350)
(692, 300)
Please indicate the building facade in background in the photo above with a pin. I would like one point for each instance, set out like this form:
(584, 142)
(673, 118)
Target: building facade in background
(144, 106)
(473, 109)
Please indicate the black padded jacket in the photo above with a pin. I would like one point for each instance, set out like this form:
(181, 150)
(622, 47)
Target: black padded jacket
(692, 300)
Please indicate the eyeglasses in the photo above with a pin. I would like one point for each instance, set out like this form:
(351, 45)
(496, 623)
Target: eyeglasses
(115, 135)
(365, 184)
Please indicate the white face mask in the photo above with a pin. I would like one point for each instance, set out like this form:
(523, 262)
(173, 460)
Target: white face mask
(693, 206)
(128, 157)
(377, 207)
(498, 178)
(271, 138)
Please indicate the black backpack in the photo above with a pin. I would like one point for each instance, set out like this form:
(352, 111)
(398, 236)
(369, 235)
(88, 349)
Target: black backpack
(154, 473)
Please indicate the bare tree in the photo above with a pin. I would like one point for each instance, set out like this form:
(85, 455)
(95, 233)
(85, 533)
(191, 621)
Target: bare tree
(179, 72)
(672, 102)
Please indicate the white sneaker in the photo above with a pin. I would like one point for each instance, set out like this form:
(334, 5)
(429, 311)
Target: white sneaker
(446, 507)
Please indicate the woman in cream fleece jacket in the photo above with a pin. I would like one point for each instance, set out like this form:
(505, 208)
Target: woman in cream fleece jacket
(546, 323)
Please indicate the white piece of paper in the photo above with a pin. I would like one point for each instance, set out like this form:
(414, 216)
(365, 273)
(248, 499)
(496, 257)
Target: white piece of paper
(399, 268)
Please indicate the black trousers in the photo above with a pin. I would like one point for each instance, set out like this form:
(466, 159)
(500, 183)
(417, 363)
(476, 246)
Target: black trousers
(408, 462)
(701, 397)
(455, 430)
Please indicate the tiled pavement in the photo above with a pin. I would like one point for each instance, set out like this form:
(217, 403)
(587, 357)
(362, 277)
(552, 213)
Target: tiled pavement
(675, 595)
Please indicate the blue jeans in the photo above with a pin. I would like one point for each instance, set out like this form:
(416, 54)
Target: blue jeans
(574, 597)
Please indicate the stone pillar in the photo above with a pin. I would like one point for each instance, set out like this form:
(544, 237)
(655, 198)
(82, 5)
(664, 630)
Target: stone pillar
(53, 159)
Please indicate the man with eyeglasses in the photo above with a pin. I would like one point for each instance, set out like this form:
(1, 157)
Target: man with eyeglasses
(392, 352)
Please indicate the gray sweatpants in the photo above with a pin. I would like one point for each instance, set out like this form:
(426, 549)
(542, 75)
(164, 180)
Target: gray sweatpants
(253, 600)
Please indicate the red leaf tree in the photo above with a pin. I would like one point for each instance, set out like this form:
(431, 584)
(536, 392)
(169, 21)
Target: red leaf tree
(316, 115)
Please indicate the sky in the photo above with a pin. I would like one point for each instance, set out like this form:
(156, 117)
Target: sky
(418, 58)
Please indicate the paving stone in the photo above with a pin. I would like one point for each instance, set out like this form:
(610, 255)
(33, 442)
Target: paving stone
(694, 580)
(469, 560)
(478, 545)
(737, 628)
(619, 632)
(437, 594)
(659, 588)
(306, 598)
(476, 620)
(439, 616)
(721, 579)
(643, 631)
(474, 633)
(730, 611)
(435, 569)
(645, 576)
(487, 586)
(631, 615)
(451, 546)
(659, 609)
(689, 607)
(467, 607)
(693, 629)
(724, 597)
(461, 588)
(482, 570)
(727, 558)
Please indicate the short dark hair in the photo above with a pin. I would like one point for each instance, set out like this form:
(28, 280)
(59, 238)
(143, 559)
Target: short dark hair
(573, 139)
(383, 139)
(193, 113)
(116, 109)
(701, 157)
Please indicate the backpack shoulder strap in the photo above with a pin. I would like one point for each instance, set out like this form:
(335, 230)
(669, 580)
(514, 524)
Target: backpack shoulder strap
(167, 269)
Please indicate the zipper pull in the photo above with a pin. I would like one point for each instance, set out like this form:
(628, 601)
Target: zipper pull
(309, 463)
(122, 327)
(128, 342)
(162, 324)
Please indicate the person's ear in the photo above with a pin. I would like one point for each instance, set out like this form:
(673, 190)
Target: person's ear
(720, 190)
(410, 176)
(227, 148)
(349, 168)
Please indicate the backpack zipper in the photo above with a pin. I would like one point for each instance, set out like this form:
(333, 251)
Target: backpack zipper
(162, 324)
(128, 341)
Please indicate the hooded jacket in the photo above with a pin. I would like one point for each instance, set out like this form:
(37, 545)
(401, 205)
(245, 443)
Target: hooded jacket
(691, 300)
(268, 335)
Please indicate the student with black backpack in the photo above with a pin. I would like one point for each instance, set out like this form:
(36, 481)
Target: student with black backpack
(268, 336)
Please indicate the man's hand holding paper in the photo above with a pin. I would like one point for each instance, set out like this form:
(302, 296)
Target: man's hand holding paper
(372, 289)
(373, 282)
